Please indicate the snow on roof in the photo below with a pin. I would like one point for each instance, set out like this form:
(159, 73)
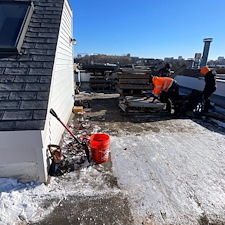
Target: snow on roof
(31, 202)
(170, 175)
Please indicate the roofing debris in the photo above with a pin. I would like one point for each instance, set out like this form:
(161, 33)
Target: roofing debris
(74, 153)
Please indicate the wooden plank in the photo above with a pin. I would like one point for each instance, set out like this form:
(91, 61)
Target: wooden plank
(143, 102)
(134, 81)
(179, 71)
(139, 111)
(221, 106)
(104, 85)
(120, 91)
(122, 106)
(136, 71)
(124, 92)
(214, 115)
(136, 86)
(133, 76)
(100, 81)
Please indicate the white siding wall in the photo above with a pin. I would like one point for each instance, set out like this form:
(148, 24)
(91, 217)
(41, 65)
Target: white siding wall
(21, 157)
(62, 85)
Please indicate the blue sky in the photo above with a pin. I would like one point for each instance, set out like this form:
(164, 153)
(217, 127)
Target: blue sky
(149, 28)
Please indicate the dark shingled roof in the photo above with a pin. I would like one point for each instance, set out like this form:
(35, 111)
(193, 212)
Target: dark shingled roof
(25, 79)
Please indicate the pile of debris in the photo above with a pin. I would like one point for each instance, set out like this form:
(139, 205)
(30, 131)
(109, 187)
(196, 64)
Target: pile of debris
(73, 151)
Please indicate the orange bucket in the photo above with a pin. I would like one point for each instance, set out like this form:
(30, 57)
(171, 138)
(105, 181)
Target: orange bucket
(99, 144)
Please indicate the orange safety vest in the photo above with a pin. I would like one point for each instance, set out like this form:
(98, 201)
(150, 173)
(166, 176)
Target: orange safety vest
(161, 84)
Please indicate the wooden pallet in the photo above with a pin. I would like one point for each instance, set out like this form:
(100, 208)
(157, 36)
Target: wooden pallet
(133, 76)
(101, 86)
(133, 92)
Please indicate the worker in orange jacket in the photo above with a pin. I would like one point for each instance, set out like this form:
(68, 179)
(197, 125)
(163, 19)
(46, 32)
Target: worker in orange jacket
(166, 89)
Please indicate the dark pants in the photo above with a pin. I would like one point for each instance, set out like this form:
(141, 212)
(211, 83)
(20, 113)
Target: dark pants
(173, 92)
(170, 96)
(206, 95)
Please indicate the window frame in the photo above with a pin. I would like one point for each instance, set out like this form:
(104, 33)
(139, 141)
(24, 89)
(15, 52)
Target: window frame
(15, 49)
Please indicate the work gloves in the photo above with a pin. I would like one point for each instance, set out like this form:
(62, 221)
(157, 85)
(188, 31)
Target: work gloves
(153, 97)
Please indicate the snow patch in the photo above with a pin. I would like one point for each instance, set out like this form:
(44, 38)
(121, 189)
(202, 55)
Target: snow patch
(31, 202)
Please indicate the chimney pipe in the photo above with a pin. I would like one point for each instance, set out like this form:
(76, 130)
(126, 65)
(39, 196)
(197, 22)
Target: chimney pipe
(207, 42)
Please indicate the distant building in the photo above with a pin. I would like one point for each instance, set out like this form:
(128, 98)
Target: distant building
(197, 60)
(220, 58)
(102, 58)
(190, 63)
(168, 59)
(180, 58)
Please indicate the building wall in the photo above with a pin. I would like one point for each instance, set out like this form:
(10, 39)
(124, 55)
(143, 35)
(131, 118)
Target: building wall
(21, 157)
(62, 85)
(45, 63)
(61, 90)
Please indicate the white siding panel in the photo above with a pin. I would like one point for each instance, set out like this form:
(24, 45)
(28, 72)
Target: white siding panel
(66, 21)
(64, 29)
(63, 46)
(20, 158)
(60, 67)
(62, 86)
(64, 55)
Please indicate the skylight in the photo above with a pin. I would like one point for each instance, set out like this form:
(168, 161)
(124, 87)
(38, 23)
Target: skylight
(14, 20)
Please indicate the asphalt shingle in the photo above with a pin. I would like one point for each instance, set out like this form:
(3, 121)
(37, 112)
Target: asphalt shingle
(25, 78)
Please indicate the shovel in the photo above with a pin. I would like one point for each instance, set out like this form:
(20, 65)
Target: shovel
(83, 143)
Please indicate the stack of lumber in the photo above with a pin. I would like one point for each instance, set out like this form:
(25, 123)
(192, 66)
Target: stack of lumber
(101, 75)
(100, 82)
(132, 84)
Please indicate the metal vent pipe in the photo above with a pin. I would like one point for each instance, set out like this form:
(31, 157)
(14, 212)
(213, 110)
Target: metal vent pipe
(204, 59)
